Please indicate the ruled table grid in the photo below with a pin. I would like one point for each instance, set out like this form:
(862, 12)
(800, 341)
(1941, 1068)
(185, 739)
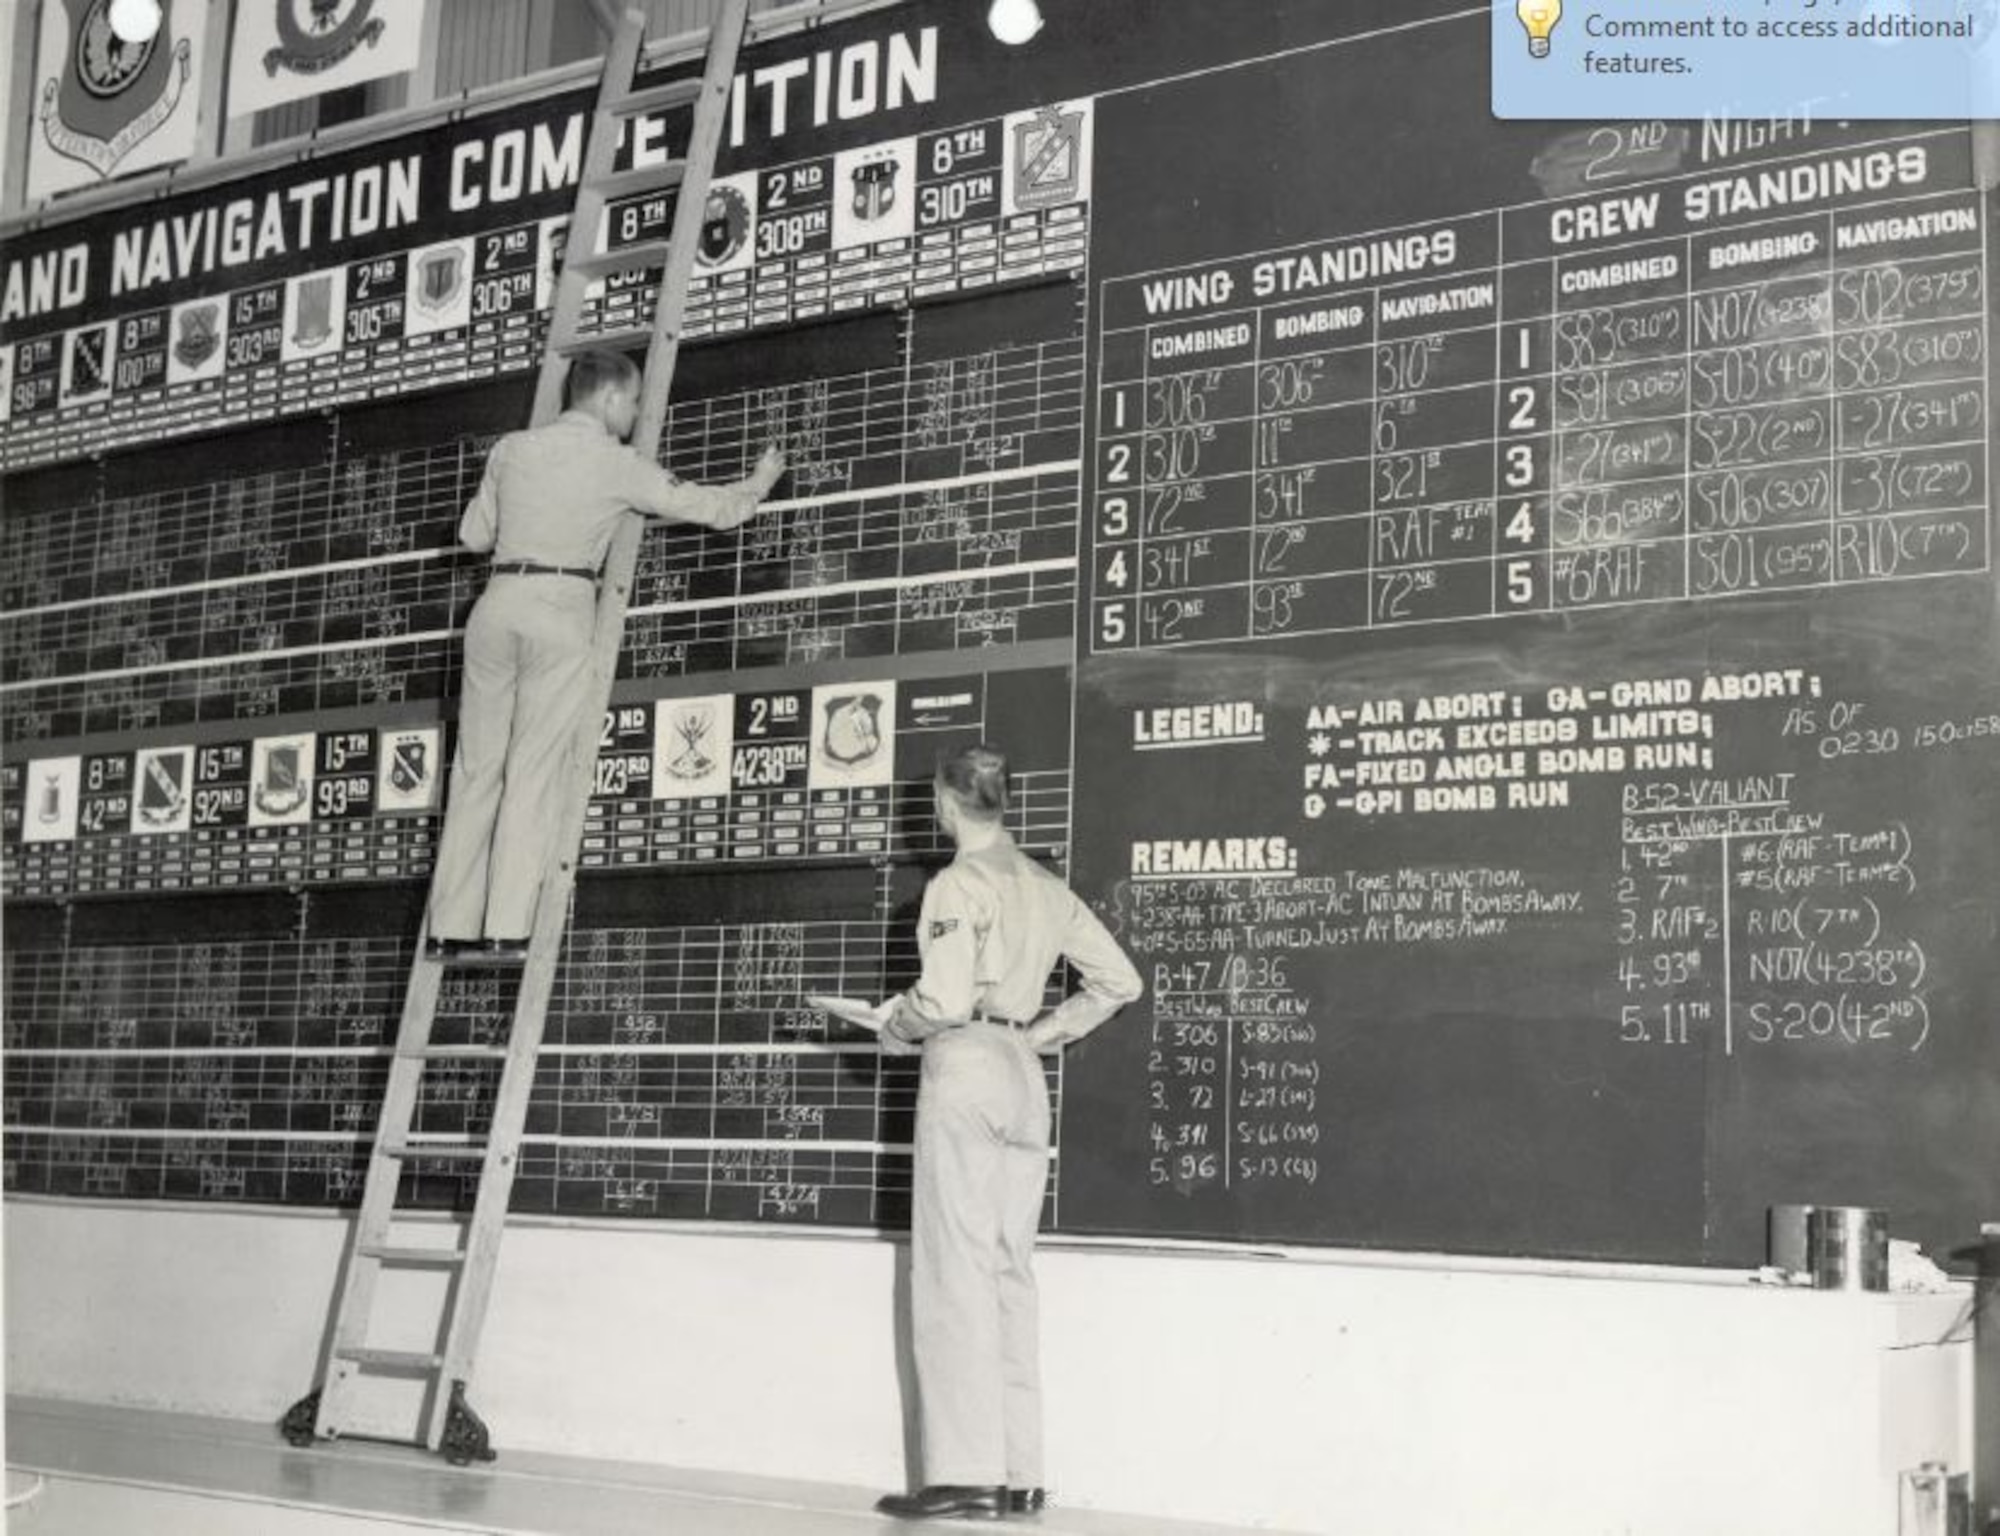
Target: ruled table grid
(1488, 422)
(928, 508)
(681, 1074)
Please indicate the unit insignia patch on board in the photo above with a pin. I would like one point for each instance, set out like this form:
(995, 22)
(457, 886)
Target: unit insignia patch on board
(163, 788)
(315, 35)
(88, 352)
(49, 798)
(408, 769)
(281, 790)
(725, 225)
(200, 326)
(853, 728)
(874, 188)
(1048, 156)
(693, 724)
(440, 278)
(314, 326)
(113, 94)
(410, 763)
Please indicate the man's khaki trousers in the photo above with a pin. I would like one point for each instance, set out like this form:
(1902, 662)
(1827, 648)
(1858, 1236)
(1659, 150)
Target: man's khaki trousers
(982, 1165)
(527, 657)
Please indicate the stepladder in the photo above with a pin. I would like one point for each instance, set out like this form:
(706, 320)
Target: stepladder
(435, 1289)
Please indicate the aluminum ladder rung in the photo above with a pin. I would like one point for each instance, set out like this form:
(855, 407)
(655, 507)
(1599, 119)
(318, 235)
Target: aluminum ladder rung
(627, 258)
(617, 341)
(456, 1151)
(452, 1052)
(657, 98)
(386, 1254)
(643, 178)
(390, 1359)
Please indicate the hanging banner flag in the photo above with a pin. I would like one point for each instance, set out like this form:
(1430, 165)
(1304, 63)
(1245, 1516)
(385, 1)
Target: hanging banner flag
(285, 49)
(106, 107)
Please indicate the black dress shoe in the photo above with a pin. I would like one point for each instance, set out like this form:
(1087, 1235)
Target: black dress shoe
(944, 1500)
(449, 949)
(1027, 1501)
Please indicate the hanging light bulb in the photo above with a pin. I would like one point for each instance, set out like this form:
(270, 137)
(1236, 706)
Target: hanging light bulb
(1014, 21)
(135, 21)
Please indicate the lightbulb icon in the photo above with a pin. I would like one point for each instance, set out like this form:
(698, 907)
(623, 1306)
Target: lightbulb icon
(1540, 18)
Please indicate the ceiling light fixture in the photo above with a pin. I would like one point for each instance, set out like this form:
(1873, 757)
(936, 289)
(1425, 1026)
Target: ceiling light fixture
(1014, 21)
(135, 21)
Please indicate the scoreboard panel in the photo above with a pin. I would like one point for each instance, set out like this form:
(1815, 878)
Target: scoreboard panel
(1498, 617)
(233, 611)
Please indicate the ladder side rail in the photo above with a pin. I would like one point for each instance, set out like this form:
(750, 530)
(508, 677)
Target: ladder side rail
(559, 880)
(690, 211)
(545, 944)
(621, 62)
(355, 1304)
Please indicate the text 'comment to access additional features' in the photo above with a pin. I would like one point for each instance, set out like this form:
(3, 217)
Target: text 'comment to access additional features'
(1823, 59)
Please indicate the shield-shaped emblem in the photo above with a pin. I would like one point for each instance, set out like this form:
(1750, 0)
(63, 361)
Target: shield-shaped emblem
(853, 728)
(315, 35)
(199, 334)
(725, 225)
(440, 278)
(112, 94)
(314, 325)
(409, 764)
(693, 724)
(163, 789)
(281, 791)
(874, 188)
(1048, 159)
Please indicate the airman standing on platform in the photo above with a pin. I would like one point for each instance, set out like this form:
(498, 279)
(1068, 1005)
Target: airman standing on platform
(546, 510)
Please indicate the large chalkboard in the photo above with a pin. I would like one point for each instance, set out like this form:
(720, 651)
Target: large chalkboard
(1500, 617)
(234, 606)
(1540, 701)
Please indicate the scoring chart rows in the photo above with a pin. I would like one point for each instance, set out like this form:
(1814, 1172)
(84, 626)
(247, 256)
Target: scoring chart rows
(918, 527)
(1584, 377)
(1447, 381)
(871, 431)
(624, 1175)
(955, 610)
(1218, 457)
(708, 970)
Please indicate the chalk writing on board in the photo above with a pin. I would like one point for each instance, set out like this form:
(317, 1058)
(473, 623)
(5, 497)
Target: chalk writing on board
(1544, 409)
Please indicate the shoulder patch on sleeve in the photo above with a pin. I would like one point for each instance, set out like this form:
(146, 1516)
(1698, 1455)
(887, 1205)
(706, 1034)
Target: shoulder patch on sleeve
(940, 926)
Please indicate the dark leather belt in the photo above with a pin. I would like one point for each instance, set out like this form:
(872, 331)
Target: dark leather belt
(536, 568)
(980, 1016)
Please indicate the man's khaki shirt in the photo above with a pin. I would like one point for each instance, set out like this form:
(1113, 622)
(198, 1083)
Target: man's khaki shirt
(994, 923)
(554, 495)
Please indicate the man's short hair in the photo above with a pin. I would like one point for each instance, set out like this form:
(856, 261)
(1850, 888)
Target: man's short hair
(976, 779)
(595, 370)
